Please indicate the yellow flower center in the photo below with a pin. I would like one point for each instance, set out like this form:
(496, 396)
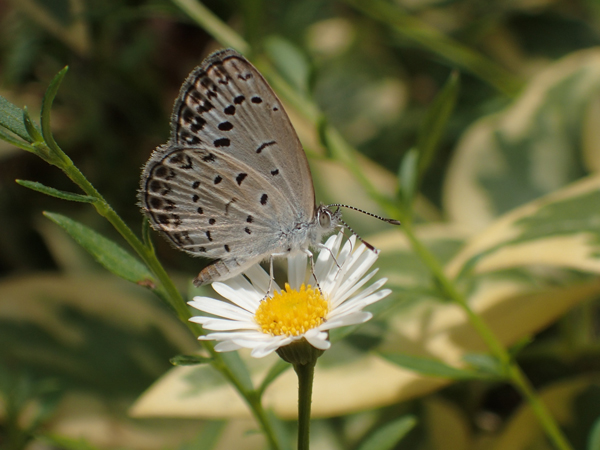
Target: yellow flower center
(291, 312)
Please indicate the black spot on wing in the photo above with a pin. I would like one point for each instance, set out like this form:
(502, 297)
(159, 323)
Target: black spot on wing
(225, 126)
(263, 199)
(223, 142)
(265, 145)
(240, 178)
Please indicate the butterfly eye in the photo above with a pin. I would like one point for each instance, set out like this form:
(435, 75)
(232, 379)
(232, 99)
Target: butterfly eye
(325, 219)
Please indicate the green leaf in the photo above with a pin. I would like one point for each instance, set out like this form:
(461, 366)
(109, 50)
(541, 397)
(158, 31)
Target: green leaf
(106, 252)
(276, 369)
(14, 141)
(32, 130)
(408, 177)
(239, 369)
(189, 360)
(66, 443)
(146, 234)
(208, 438)
(290, 62)
(594, 437)
(388, 436)
(11, 118)
(47, 105)
(485, 364)
(39, 187)
(433, 126)
(429, 367)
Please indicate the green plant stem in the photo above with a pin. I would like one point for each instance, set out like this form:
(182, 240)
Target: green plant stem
(173, 296)
(213, 25)
(306, 373)
(513, 371)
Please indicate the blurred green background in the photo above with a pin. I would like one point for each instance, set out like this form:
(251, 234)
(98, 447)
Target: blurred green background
(374, 76)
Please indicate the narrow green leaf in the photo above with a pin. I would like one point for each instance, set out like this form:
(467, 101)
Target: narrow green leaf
(432, 128)
(11, 118)
(276, 369)
(39, 187)
(32, 131)
(146, 234)
(16, 142)
(408, 177)
(429, 367)
(388, 436)
(47, 105)
(485, 364)
(189, 360)
(106, 252)
(594, 437)
(239, 369)
(290, 62)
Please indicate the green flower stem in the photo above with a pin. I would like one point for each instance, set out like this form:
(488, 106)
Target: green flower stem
(176, 301)
(513, 371)
(306, 373)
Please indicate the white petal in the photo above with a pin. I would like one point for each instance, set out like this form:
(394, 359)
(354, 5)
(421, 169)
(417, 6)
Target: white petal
(227, 346)
(297, 270)
(210, 323)
(325, 261)
(346, 291)
(357, 265)
(220, 308)
(319, 342)
(238, 336)
(240, 292)
(339, 275)
(350, 319)
(368, 291)
(261, 280)
(377, 296)
(317, 338)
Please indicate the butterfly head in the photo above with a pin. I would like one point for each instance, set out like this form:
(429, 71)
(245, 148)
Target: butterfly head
(327, 219)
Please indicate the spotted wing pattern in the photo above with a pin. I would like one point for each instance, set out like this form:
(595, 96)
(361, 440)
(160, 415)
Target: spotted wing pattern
(233, 181)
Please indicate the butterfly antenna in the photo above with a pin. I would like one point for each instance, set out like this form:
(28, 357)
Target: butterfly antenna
(391, 221)
(369, 246)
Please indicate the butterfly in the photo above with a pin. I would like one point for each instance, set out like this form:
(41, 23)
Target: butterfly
(233, 183)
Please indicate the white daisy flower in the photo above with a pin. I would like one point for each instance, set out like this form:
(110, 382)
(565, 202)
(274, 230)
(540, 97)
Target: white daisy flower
(266, 323)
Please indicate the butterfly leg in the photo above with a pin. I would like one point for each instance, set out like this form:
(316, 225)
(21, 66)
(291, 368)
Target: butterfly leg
(312, 268)
(324, 247)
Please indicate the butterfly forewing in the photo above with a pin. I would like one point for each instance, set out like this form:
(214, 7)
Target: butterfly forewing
(233, 179)
(226, 103)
